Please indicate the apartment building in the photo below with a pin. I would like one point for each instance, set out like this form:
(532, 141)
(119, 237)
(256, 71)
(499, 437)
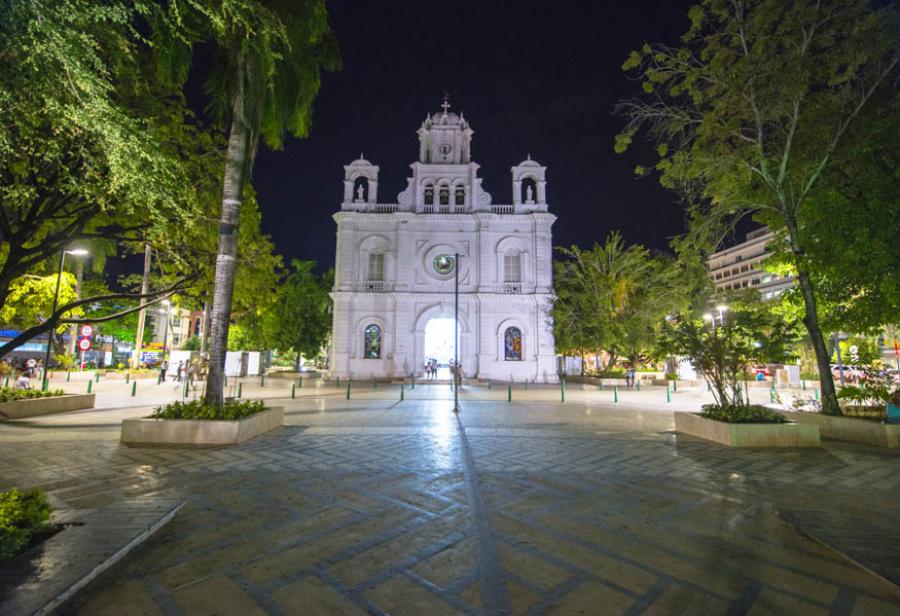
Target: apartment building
(741, 266)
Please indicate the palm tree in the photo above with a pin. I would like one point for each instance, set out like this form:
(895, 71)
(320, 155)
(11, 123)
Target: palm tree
(268, 59)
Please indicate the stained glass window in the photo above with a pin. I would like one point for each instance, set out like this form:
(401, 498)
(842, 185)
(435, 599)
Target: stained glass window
(512, 342)
(372, 342)
(443, 264)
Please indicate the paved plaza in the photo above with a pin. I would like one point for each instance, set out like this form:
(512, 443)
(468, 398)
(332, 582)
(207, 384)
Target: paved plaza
(376, 505)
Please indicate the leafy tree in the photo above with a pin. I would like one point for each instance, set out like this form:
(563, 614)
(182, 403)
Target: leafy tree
(615, 297)
(753, 109)
(91, 148)
(300, 319)
(264, 82)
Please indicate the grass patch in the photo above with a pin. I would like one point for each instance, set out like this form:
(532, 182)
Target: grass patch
(197, 409)
(21, 515)
(753, 413)
(10, 395)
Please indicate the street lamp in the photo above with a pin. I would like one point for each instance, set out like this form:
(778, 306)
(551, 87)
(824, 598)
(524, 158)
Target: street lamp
(722, 308)
(77, 252)
(168, 309)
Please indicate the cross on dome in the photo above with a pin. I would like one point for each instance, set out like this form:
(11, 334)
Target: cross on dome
(446, 105)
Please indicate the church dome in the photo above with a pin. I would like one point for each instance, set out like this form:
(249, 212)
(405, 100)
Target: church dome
(448, 117)
(360, 162)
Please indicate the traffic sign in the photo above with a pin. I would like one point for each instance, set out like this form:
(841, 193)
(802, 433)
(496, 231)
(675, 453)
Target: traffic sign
(86, 330)
(84, 344)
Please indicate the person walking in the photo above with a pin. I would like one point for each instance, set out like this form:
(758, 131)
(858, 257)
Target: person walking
(23, 382)
(163, 368)
(179, 372)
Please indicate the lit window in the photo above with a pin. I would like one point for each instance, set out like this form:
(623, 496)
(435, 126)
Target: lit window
(376, 266)
(429, 195)
(372, 342)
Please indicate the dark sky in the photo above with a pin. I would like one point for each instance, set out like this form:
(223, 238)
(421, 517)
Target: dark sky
(531, 76)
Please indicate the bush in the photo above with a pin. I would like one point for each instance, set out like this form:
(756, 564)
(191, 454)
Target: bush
(610, 374)
(809, 376)
(197, 409)
(671, 376)
(21, 514)
(752, 413)
(9, 395)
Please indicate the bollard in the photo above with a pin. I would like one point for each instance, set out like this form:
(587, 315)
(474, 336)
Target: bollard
(348, 390)
(489, 384)
(133, 389)
(675, 386)
(97, 376)
(293, 390)
(562, 390)
(300, 383)
(184, 390)
(638, 384)
(668, 393)
(509, 393)
(6, 383)
(526, 384)
(90, 382)
(68, 375)
(338, 385)
(262, 380)
(225, 376)
(803, 385)
(45, 385)
(413, 386)
(817, 392)
(401, 392)
(239, 389)
(615, 393)
(127, 378)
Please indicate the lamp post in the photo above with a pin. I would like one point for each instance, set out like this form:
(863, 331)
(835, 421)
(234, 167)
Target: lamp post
(168, 306)
(78, 252)
(456, 376)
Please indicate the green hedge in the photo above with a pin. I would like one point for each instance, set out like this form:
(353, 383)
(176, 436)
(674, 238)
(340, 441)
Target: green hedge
(197, 409)
(21, 514)
(753, 413)
(8, 395)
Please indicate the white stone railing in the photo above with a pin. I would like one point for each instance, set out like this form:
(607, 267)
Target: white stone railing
(503, 209)
(372, 286)
(511, 287)
(384, 208)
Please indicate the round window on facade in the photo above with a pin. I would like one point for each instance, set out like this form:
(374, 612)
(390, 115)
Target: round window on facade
(443, 264)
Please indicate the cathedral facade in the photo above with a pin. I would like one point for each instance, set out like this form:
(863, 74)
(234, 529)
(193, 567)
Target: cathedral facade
(396, 268)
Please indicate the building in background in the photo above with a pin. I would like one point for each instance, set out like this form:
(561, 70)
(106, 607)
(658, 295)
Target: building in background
(179, 326)
(395, 268)
(741, 266)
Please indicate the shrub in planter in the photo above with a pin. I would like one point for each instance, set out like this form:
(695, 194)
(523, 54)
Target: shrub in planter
(738, 413)
(10, 395)
(610, 374)
(21, 514)
(196, 409)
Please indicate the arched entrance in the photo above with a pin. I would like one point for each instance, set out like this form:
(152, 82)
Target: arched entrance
(439, 343)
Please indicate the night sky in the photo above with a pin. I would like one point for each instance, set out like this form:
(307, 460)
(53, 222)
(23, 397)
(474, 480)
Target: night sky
(531, 76)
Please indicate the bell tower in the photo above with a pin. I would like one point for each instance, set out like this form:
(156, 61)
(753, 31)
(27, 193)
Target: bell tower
(445, 138)
(529, 185)
(360, 183)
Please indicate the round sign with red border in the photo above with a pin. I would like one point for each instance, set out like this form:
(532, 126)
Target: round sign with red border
(86, 330)
(84, 344)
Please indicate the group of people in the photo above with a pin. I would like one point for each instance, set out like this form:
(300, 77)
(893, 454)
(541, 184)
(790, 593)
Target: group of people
(431, 368)
(185, 371)
(630, 377)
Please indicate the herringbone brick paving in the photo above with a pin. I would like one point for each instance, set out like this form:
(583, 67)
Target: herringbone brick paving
(367, 508)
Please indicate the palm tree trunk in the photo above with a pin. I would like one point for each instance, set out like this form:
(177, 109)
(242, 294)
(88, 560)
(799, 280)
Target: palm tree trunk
(236, 166)
(823, 357)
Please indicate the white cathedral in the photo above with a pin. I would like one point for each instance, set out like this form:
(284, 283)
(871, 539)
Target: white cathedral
(395, 268)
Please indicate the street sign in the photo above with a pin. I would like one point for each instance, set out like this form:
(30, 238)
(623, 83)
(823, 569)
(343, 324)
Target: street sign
(86, 330)
(84, 344)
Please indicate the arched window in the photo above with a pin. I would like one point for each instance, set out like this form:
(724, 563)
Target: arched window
(512, 267)
(372, 341)
(512, 344)
(444, 196)
(429, 195)
(460, 196)
(376, 266)
(529, 190)
(361, 190)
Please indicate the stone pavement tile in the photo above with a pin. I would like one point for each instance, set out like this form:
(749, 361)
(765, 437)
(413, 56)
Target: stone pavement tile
(390, 553)
(471, 594)
(219, 596)
(245, 548)
(521, 600)
(448, 565)
(589, 561)
(310, 595)
(296, 559)
(869, 606)
(399, 596)
(681, 599)
(537, 571)
(773, 602)
(592, 598)
(127, 599)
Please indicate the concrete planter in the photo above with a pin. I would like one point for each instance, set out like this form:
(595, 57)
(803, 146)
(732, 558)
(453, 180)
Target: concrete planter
(17, 409)
(199, 432)
(851, 429)
(748, 435)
